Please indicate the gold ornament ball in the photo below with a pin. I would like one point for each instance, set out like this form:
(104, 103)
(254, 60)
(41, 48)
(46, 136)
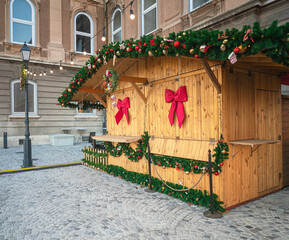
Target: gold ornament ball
(127, 49)
(187, 172)
(93, 66)
(242, 49)
(184, 34)
(150, 54)
(164, 52)
(262, 36)
(179, 36)
(62, 104)
(69, 89)
(164, 167)
(118, 53)
(223, 47)
(225, 41)
(192, 51)
(78, 83)
(99, 60)
(223, 151)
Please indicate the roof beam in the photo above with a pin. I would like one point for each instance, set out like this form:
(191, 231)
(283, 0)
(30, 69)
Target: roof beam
(211, 75)
(132, 79)
(91, 90)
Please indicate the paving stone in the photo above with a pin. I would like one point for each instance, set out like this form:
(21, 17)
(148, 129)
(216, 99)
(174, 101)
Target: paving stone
(81, 203)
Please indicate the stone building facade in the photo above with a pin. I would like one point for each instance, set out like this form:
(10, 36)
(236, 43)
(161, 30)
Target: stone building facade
(56, 32)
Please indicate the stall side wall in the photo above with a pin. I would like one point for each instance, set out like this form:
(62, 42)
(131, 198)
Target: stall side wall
(201, 114)
(251, 109)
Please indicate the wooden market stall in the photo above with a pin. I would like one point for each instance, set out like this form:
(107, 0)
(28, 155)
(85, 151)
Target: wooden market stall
(241, 101)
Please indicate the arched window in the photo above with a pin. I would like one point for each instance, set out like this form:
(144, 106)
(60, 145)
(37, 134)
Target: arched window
(149, 21)
(195, 4)
(17, 98)
(83, 33)
(116, 26)
(22, 22)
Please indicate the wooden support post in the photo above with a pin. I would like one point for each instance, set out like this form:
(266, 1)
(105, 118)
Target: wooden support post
(139, 92)
(211, 75)
(97, 97)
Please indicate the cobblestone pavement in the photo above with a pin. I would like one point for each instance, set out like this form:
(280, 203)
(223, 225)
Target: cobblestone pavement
(42, 155)
(82, 203)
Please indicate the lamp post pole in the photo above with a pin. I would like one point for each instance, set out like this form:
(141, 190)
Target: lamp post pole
(27, 162)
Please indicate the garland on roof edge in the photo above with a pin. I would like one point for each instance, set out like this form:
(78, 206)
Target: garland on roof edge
(214, 44)
(193, 196)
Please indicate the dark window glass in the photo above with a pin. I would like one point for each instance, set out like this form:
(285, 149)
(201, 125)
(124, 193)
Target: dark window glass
(19, 99)
(82, 43)
(82, 23)
(117, 20)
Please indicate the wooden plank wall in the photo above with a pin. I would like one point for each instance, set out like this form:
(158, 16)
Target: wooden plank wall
(251, 110)
(201, 111)
(285, 139)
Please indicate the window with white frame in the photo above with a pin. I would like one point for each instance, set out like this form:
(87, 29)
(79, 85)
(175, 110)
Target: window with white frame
(194, 4)
(149, 16)
(84, 113)
(18, 99)
(22, 22)
(116, 26)
(83, 33)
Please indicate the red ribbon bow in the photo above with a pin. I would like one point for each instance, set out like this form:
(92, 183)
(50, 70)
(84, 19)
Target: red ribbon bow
(122, 106)
(177, 100)
(247, 34)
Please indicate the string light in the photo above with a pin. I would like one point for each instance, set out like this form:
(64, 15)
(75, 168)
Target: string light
(34, 74)
(103, 35)
(60, 66)
(44, 73)
(71, 60)
(51, 70)
(40, 74)
(132, 16)
(84, 52)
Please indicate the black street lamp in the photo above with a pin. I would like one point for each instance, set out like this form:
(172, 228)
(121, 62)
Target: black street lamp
(27, 162)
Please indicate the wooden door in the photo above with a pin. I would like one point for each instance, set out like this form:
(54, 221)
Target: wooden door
(269, 156)
(285, 139)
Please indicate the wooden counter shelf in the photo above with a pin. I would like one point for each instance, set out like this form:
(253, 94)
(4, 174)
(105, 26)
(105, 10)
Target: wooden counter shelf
(116, 138)
(252, 143)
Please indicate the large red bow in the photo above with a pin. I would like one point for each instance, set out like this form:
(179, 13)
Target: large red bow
(122, 106)
(177, 100)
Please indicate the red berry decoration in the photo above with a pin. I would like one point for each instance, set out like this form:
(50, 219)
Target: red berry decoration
(145, 44)
(177, 43)
(196, 166)
(64, 95)
(184, 46)
(217, 173)
(106, 52)
(221, 164)
(236, 50)
(196, 56)
(111, 50)
(139, 157)
(139, 149)
(142, 143)
(137, 48)
(81, 79)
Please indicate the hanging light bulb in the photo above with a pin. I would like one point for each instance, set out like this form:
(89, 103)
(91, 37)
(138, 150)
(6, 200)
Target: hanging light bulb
(84, 52)
(103, 35)
(34, 74)
(51, 70)
(44, 73)
(60, 66)
(131, 14)
(40, 74)
(30, 73)
(71, 60)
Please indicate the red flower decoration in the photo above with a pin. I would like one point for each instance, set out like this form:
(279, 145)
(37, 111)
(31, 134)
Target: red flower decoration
(152, 42)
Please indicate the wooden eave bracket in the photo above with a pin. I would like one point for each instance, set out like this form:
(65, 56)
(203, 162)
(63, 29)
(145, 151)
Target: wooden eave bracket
(98, 98)
(211, 75)
(133, 79)
(139, 92)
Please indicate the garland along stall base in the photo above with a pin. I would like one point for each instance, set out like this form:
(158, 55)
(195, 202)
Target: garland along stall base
(186, 102)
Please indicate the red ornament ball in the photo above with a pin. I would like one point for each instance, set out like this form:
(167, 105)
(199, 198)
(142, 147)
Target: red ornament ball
(217, 173)
(221, 164)
(106, 52)
(177, 43)
(137, 48)
(139, 157)
(196, 166)
(196, 56)
(145, 44)
(236, 50)
(111, 50)
(184, 46)
(142, 143)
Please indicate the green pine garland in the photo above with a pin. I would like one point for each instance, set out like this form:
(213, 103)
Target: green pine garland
(181, 164)
(110, 79)
(193, 196)
(272, 41)
(95, 154)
